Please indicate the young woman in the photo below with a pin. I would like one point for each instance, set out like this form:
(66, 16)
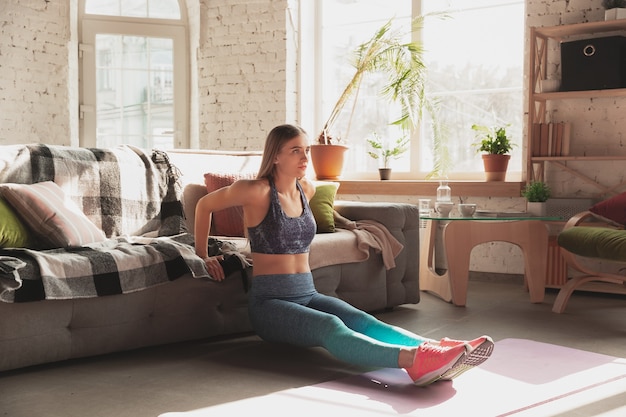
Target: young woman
(284, 305)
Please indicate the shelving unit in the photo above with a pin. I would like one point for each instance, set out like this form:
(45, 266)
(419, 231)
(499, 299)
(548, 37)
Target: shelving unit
(537, 100)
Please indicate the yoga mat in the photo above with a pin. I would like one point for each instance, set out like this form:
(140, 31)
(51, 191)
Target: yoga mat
(522, 378)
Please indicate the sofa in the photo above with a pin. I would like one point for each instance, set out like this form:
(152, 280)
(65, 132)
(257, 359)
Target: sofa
(120, 273)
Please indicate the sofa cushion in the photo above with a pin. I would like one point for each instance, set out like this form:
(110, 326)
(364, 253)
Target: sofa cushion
(595, 242)
(13, 233)
(228, 222)
(612, 209)
(58, 220)
(322, 205)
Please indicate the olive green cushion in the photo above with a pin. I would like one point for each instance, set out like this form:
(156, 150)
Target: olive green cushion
(13, 233)
(595, 242)
(322, 205)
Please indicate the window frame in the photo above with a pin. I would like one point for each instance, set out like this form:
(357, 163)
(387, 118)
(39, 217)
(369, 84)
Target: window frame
(176, 29)
(311, 93)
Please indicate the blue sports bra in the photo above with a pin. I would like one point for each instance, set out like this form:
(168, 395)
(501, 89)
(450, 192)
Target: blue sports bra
(281, 234)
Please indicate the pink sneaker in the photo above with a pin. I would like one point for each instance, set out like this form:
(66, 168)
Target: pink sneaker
(432, 361)
(446, 341)
(480, 350)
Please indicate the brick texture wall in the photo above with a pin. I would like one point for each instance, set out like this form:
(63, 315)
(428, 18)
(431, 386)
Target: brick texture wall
(34, 68)
(244, 72)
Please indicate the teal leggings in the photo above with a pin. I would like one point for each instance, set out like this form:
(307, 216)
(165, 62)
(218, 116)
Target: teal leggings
(288, 309)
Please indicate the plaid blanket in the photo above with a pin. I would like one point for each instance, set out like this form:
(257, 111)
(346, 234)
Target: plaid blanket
(133, 197)
(116, 266)
(122, 190)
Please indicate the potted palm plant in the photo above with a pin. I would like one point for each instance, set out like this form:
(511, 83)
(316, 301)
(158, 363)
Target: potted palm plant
(387, 53)
(386, 151)
(496, 146)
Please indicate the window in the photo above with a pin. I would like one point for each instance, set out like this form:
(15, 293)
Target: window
(474, 58)
(134, 74)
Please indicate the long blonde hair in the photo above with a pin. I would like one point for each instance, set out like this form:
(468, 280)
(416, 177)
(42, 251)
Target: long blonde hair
(273, 143)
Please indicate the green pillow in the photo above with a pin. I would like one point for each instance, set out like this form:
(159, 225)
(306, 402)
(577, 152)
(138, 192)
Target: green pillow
(13, 233)
(322, 205)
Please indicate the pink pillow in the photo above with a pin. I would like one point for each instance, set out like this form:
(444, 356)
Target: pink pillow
(228, 222)
(613, 209)
(44, 207)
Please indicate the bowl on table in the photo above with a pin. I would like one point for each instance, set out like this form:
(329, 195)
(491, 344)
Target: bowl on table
(467, 209)
(443, 208)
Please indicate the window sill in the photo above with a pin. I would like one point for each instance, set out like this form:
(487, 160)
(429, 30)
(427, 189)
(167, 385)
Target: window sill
(426, 188)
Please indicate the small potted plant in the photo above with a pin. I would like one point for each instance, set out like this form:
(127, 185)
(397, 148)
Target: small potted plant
(386, 151)
(615, 9)
(495, 145)
(536, 194)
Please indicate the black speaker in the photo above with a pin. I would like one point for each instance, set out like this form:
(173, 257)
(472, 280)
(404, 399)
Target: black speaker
(593, 64)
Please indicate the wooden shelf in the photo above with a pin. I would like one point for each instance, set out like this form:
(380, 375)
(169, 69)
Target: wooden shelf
(564, 95)
(576, 29)
(580, 158)
(537, 101)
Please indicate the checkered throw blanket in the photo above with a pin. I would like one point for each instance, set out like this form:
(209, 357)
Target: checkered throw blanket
(123, 190)
(120, 265)
(136, 200)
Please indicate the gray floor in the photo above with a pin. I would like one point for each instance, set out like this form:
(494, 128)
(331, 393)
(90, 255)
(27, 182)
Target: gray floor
(193, 375)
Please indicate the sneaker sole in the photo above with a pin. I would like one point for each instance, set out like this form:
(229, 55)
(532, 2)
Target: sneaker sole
(477, 356)
(436, 376)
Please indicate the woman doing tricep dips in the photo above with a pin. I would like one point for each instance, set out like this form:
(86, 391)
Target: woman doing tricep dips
(284, 305)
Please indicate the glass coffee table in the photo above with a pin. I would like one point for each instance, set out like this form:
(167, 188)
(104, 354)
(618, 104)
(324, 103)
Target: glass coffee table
(461, 234)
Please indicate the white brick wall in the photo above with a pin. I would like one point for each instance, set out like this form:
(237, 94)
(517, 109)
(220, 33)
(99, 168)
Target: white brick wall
(34, 71)
(243, 64)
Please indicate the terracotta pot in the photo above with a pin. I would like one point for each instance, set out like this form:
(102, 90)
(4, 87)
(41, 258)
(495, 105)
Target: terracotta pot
(328, 161)
(495, 166)
(385, 173)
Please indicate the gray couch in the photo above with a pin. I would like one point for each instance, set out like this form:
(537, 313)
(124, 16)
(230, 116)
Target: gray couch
(189, 308)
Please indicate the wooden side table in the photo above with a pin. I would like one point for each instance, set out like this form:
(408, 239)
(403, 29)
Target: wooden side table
(460, 235)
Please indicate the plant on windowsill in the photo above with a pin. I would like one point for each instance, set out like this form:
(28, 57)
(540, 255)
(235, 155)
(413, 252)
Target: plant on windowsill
(536, 194)
(385, 151)
(400, 62)
(496, 146)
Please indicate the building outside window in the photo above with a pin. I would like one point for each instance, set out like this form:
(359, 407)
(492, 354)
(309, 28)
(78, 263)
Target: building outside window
(474, 53)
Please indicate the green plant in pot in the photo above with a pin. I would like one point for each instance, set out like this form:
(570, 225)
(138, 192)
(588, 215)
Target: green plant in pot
(400, 63)
(536, 194)
(613, 4)
(386, 151)
(615, 9)
(496, 147)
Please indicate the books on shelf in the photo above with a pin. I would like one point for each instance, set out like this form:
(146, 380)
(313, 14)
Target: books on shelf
(551, 139)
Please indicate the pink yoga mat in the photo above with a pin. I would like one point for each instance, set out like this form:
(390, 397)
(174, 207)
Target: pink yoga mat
(522, 378)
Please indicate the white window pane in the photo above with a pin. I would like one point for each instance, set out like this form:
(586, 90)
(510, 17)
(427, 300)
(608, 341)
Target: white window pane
(134, 75)
(477, 77)
(156, 9)
(103, 7)
(346, 25)
(475, 68)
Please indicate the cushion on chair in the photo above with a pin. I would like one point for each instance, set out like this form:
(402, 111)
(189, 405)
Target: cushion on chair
(612, 209)
(595, 242)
